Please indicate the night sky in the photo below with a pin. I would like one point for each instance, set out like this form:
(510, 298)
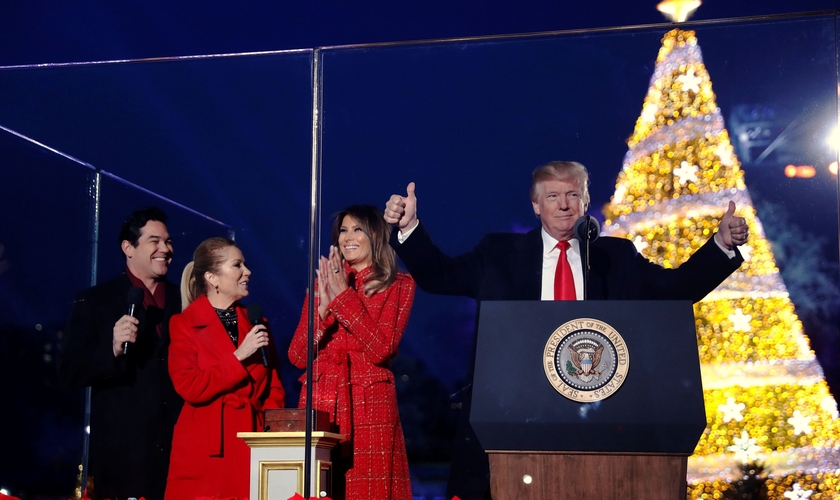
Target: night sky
(230, 137)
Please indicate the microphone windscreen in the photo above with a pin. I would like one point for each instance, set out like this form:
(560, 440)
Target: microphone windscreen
(135, 295)
(582, 232)
(255, 314)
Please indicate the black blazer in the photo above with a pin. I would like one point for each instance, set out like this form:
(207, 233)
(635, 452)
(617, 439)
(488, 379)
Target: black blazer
(508, 266)
(134, 406)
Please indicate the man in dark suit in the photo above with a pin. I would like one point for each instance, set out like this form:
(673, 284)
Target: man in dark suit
(134, 406)
(547, 264)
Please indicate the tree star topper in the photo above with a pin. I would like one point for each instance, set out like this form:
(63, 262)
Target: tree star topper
(678, 10)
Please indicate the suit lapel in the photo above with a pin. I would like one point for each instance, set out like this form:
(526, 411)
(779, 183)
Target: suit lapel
(529, 255)
(598, 265)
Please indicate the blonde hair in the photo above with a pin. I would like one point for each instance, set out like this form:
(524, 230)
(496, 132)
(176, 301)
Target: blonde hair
(561, 171)
(383, 258)
(206, 258)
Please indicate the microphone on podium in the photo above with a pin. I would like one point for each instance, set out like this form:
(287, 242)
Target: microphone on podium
(255, 316)
(135, 299)
(586, 230)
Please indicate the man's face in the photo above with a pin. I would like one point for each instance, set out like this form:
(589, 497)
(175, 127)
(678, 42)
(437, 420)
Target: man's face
(151, 257)
(558, 205)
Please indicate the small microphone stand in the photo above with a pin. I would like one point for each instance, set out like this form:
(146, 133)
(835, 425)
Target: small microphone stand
(586, 259)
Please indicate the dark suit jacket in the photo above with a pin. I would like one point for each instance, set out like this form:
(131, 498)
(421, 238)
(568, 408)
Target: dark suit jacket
(508, 266)
(134, 406)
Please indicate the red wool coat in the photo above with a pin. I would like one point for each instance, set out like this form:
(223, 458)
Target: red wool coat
(222, 396)
(353, 382)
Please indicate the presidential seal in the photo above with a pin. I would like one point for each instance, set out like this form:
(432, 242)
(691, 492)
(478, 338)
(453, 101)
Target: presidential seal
(586, 360)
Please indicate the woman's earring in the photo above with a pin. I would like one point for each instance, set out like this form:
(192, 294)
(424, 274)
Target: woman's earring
(217, 288)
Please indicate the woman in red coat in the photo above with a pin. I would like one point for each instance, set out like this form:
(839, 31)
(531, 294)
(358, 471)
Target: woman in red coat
(224, 384)
(363, 305)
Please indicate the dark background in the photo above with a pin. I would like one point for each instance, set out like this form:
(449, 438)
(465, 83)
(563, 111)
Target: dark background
(40, 31)
(231, 137)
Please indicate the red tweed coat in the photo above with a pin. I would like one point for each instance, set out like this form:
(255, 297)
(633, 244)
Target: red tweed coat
(222, 396)
(352, 381)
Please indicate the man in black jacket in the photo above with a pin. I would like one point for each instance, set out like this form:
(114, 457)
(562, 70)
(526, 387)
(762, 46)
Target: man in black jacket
(508, 266)
(134, 406)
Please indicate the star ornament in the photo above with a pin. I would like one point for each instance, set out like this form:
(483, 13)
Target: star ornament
(732, 410)
(678, 10)
(686, 172)
(800, 423)
(797, 493)
(740, 321)
(745, 448)
(690, 81)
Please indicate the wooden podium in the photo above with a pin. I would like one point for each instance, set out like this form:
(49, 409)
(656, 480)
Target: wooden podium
(634, 444)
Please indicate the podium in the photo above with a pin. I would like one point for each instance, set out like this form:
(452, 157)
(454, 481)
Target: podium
(617, 418)
(277, 458)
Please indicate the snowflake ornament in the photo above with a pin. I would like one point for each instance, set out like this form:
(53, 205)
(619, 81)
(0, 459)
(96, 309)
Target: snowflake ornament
(740, 321)
(640, 243)
(686, 172)
(732, 410)
(649, 112)
(727, 159)
(800, 423)
(797, 493)
(829, 405)
(746, 252)
(690, 81)
(744, 448)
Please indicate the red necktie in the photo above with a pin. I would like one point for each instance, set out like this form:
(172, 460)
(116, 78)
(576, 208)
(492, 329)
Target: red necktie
(564, 282)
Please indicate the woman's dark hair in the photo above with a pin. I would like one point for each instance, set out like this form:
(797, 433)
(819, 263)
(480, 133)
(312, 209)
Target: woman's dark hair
(206, 258)
(384, 261)
(130, 229)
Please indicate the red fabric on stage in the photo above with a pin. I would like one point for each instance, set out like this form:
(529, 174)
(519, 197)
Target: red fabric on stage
(352, 381)
(564, 282)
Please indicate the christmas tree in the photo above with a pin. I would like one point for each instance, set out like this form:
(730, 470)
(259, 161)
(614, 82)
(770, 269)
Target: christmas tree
(772, 424)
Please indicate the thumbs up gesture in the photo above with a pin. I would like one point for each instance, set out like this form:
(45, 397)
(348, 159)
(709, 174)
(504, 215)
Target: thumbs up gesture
(733, 231)
(402, 210)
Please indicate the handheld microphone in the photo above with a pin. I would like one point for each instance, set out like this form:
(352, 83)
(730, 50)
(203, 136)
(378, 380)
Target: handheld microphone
(255, 316)
(135, 299)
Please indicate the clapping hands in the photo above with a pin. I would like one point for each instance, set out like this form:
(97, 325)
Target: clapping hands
(332, 279)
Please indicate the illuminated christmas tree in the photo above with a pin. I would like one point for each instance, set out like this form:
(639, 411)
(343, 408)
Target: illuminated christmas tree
(768, 406)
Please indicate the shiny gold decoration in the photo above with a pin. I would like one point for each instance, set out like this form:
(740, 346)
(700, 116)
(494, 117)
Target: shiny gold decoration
(766, 362)
(678, 10)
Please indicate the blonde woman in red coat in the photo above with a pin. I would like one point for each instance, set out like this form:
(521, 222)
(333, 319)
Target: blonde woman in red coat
(215, 367)
(363, 305)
